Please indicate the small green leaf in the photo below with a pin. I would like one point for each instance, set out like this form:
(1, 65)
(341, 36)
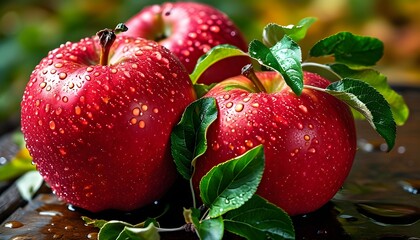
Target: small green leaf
(98, 223)
(350, 49)
(29, 184)
(377, 80)
(20, 164)
(284, 57)
(135, 233)
(202, 89)
(369, 102)
(273, 33)
(112, 229)
(188, 138)
(230, 184)
(208, 229)
(259, 219)
(214, 55)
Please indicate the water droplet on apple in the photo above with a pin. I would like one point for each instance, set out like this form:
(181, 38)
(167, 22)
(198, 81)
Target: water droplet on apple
(215, 29)
(229, 104)
(142, 124)
(303, 108)
(300, 126)
(42, 85)
(306, 137)
(58, 65)
(136, 111)
(239, 107)
(52, 125)
(65, 99)
(144, 107)
(77, 110)
(249, 143)
(62, 151)
(58, 111)
(311, 150)
(226, 96)
(215, 146)
(62, 75)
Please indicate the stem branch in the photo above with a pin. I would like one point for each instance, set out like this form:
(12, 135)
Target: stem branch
(248, 72)
(106, 39)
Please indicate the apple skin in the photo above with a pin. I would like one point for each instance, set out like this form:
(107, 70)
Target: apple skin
(99, 135)
(189, 30)
(309, 141)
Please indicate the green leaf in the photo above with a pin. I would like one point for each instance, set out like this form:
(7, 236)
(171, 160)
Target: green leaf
(377, 80)
(230, 184)
(119, 230)
(214, 55)
(284, 57)
(29, 184)
(188, 138)
(369, 102)
(20, 164)
(259, 219)
(273, 32)
(98, 223)
(134, 233)
(208, 229)
(350, 49)
(202, 89)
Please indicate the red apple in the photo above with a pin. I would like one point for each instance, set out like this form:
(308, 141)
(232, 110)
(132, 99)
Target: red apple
(98, 126)
(309, 141)
(189, 30)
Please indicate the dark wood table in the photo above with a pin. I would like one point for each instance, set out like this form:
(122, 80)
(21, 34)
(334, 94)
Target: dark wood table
(379, 200)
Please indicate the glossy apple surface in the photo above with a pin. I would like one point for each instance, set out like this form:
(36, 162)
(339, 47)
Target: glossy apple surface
(189, 30)
(99, 134)
(309, 141)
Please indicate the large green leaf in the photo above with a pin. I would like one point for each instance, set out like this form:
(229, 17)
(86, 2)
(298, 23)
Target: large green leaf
(188, 138)
(350, 49)
(229, 185)
(259, 219)
(214, 55)
(273, 32)
(377, 80)
(285, 57)
(119, 230)
(369, 102)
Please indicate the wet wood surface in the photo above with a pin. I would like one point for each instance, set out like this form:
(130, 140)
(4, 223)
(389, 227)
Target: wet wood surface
(379, 200)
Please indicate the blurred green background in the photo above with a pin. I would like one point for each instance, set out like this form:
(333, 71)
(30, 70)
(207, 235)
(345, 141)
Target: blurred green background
(29, 29)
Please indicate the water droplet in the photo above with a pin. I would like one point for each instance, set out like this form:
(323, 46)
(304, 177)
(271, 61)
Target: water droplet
(92, 235)
(226, 96)
(303, 108)
(411, 185)
(58, 111)
(62, 151)
(65, 99)
(144, 107)
(77, 110)
(215, 29)
(311, 150)
(249, 143)
(142, 124)
(134, 65)
(43, 85)
(13, 224)
(53, 71)
(114, 70)
(52, 125)
(87, 77)
(255, 104)
(59, 56)
(155, 110)
(306, 137)
(58, 65)
(229, 104)
(239, 107)
(136, 111)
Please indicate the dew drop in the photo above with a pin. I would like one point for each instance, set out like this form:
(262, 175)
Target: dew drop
(311, 150)
(144, 107)
(13, 224)
(239, 107)
(58, 111)
(249, 143)
(65, 99)
(133, 121)
(52, 125)
(58, 65)
(142, 124)
(155, 110)
(43, 85)
(215, 29)
(87, 77)
(300, 126)
(229, 104)
(62, 151)
(255, 104)
(136, 111)
(226, 96)
(303, 108)
(71, 85)
(77, 110)
(215, 146)
(134, 65)
(306, 137)
(114, 70)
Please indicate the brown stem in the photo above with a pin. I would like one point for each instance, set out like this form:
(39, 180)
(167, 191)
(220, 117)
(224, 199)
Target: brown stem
(106, 39)
(248, 72)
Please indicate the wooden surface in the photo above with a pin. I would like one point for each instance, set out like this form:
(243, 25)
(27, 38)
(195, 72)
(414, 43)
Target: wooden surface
(380, 199)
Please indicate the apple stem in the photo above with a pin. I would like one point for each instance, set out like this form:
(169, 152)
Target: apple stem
(248, 72)
(106, 39)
